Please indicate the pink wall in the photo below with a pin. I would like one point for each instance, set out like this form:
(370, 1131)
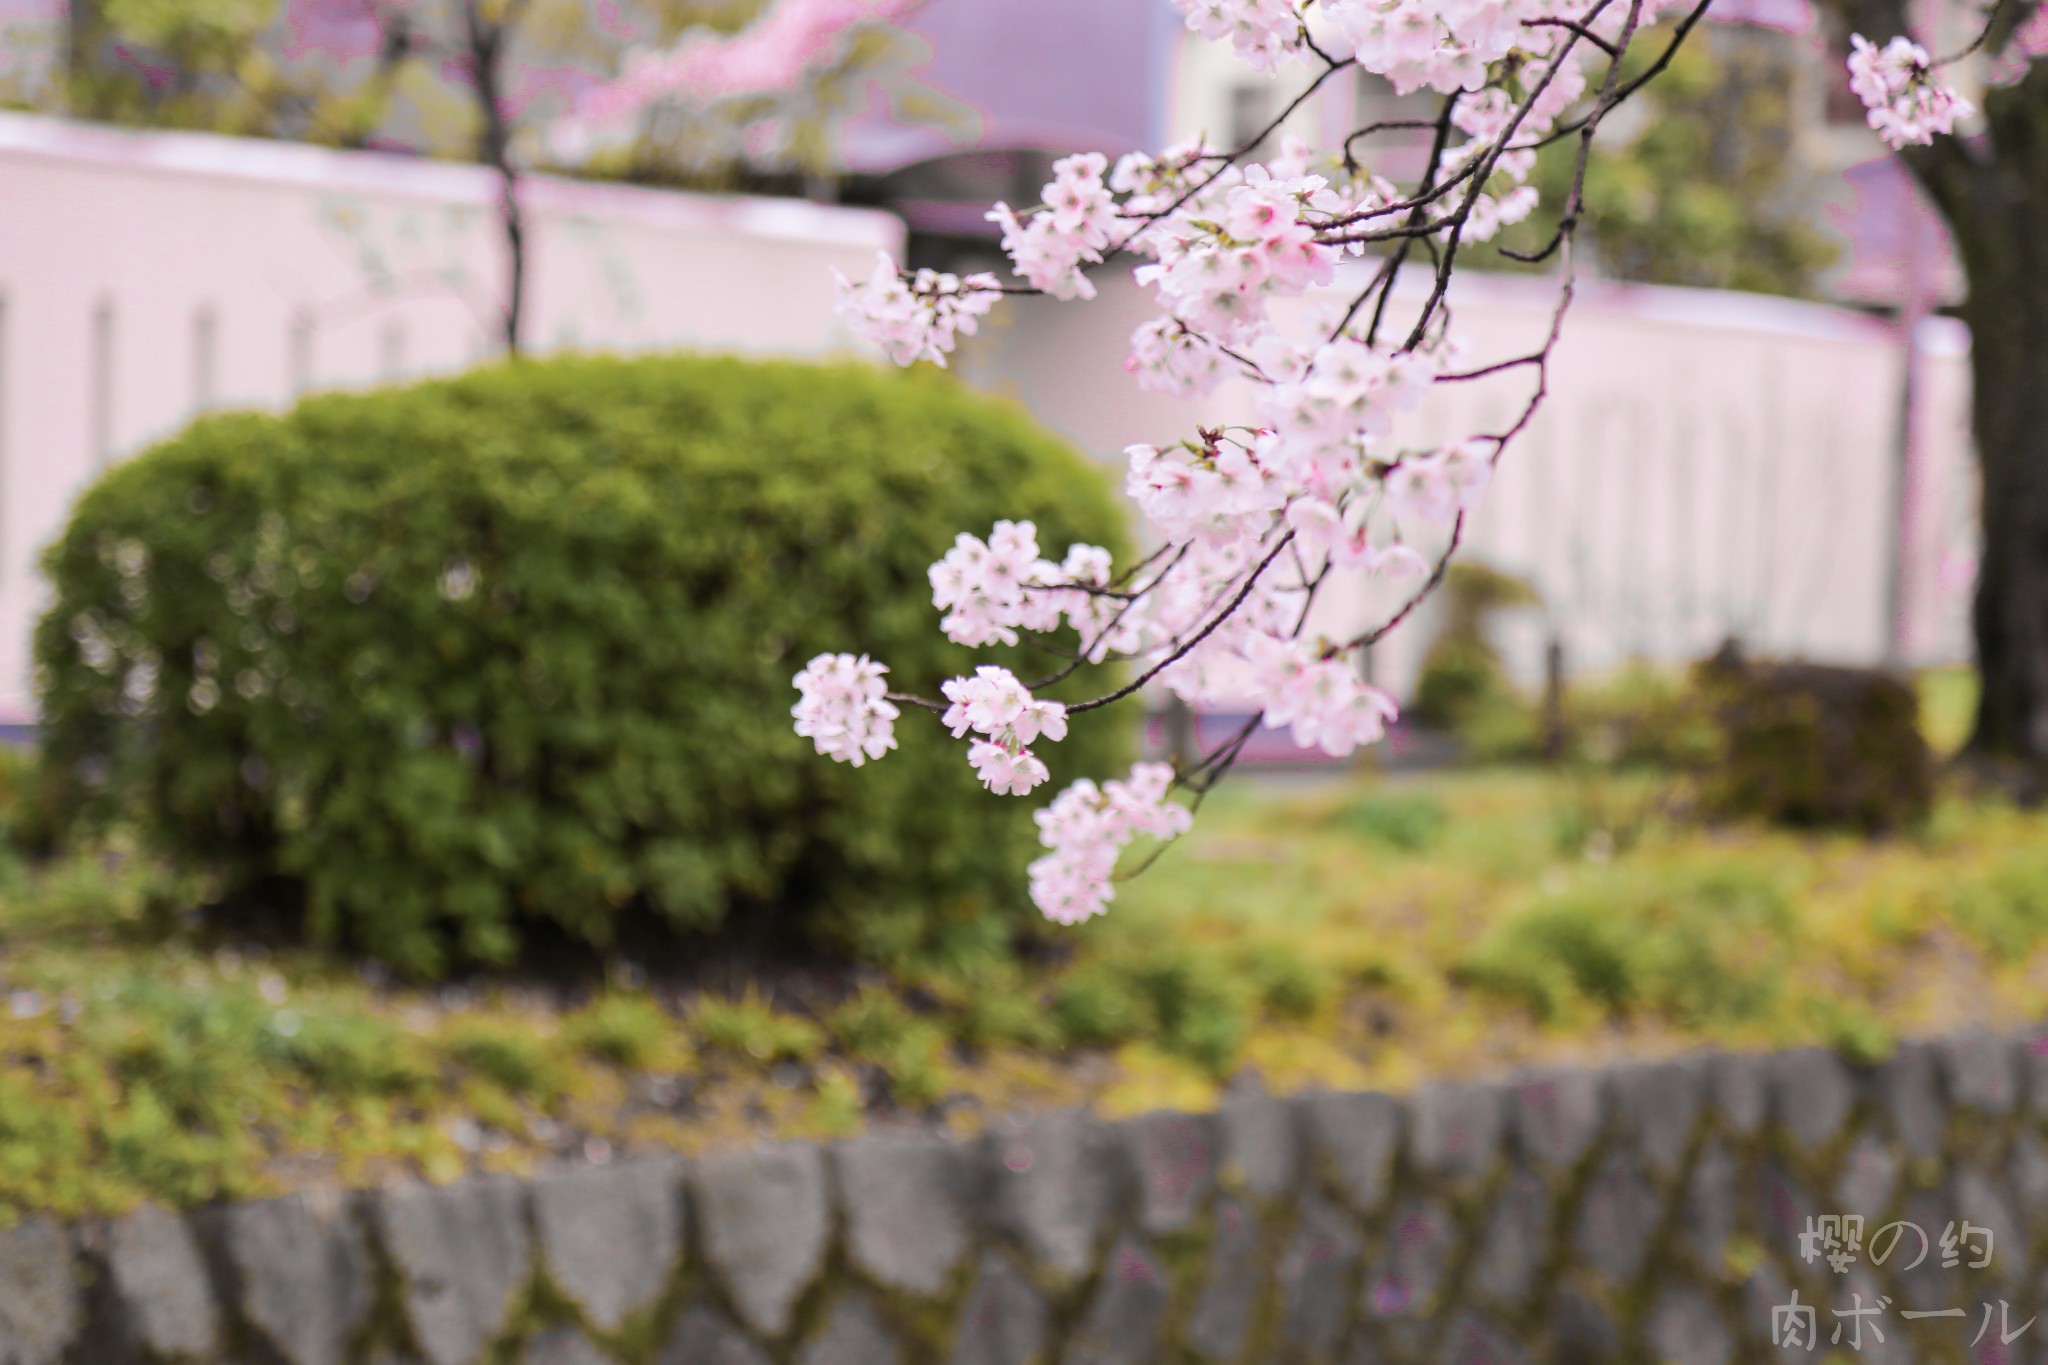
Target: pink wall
(322, 269)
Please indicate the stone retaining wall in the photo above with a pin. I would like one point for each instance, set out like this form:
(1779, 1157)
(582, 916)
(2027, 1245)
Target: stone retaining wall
(1652, 1212)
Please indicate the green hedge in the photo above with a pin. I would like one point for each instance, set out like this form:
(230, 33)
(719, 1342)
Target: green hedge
(450, 663)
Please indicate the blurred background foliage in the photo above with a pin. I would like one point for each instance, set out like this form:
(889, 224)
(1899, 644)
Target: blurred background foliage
(1697, 180)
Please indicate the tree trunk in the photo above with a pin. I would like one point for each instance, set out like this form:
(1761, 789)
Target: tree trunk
(487, 39)
(1995, 196)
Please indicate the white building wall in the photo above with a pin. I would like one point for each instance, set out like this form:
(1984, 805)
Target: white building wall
(147, 276)
(1706, 465)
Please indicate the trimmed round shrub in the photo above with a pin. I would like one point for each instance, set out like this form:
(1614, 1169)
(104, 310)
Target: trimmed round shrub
(451, 664)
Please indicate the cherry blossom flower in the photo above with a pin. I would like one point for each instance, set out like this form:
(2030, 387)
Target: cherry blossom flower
(920, 318)
(1896, 84)
(1087, 827)
(994, 704)
(844, 709)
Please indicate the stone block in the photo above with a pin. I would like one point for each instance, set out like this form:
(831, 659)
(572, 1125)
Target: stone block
(1685, 1329)
(1617, 1217)
(1312, 1274)
(2029, 1180)
(1421, 1238)
(304, 1275)
(1004, 1321)
(612, 1236)
(1232, 1288)
(1261, 1144)
(2033, 1063)
(1982, 1071)
(1659, 1105)
(766, 1219)
(1123, 1324)
(1870, 1176)
(463, 1253)
(1979, 1199)
(1783, 1205)
(1511, 1247)
(159, 1282)
(1739, 1086)
(563, 1346)
(1908, 1090)
(1811, 1095)
(1584, 1332)
(705, 1336)
(1765, 1290)
(906, 1200)
(1557, 1115)
(1352, 1139)
(1054, 1180)
(40, 1304)
(1710, 1206)
(1471, 1339)
(1912, 1260)
(1454, 1130)
(1173, 1160)
(853, 1334)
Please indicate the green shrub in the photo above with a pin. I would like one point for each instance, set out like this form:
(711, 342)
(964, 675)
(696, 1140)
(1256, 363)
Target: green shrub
(625, 1030)
(507, 1056)
(456, 662)
(1639, 716)
(2005, 908)
(1286, 982)
(751, 1027)
(1813, 747)
(1463, 688)
(1701, 947)
(1401, 821)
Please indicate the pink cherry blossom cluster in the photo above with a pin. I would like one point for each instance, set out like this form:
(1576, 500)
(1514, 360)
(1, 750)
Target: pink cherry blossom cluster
(843, 707)
(991, 589)
(1247, 522)
(1087, 827)
(1896, 84)
(1264, 33)
(1317, 695)
(919, 318)
(1072, 230)
(994, 705)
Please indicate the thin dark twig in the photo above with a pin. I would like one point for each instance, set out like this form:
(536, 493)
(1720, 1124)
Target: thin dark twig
(1181, 652)
(1977, 44)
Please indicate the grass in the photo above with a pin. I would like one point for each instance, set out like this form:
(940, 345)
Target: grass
(1351, 931)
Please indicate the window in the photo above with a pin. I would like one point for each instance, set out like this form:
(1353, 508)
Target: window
(391, 351)
(102, 381)
(1251, 109)
(3, 418)
(205, 342)
(300, 354)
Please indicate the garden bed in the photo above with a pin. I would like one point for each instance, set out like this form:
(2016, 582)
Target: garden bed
(1346, 931)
